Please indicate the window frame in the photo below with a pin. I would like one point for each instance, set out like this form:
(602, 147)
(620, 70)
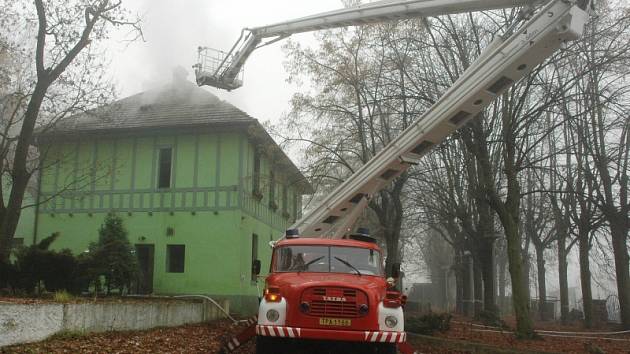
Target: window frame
(254, 247)
(256, 172)
(160, 164)
(169, 263)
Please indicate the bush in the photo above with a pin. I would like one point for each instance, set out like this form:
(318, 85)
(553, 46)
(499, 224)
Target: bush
(7, 275)
(429, 323)
(36, 265)
(112, 257)
(33, 264)
(490, 318)
(61, 272)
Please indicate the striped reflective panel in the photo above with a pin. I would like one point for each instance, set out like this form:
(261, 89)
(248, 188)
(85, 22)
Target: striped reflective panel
(277, 331)
(385, 337)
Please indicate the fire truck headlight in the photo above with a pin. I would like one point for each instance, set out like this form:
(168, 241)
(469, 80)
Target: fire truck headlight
(273, 315)
(391, 321)
(363, 309)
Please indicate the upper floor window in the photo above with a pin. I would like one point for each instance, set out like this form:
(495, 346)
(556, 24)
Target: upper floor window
(165, 163)
(272, 186)
(256, 174)
(285, 199)
(295, 206)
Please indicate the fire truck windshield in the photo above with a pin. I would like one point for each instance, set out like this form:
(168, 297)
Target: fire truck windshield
(328, 259)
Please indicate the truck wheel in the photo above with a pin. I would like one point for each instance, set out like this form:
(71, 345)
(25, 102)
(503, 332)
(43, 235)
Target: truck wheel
(386, 348)
(270, 345)
(264, 345)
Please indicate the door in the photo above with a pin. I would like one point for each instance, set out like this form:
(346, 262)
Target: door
(145, 255)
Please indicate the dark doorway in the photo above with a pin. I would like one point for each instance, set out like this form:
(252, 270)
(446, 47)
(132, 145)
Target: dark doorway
(145, 264)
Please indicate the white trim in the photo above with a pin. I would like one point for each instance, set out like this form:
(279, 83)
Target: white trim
(387, 311)
(265, 306)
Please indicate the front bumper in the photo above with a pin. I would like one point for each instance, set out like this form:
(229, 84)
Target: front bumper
(326, 334)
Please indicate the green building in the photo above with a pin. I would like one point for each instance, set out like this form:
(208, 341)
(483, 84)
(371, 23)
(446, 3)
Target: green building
(201, 186)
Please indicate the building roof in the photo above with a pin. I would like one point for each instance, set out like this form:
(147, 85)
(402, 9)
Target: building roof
(176, 105)
(181, 105)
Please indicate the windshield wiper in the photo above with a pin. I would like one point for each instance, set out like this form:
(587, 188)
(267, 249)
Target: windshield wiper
(348, 264)
(306, 265)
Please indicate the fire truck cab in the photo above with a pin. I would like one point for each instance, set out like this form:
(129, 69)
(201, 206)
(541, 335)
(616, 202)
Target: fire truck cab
(323, 290)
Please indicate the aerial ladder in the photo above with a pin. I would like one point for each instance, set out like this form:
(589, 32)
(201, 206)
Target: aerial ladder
(543, 28)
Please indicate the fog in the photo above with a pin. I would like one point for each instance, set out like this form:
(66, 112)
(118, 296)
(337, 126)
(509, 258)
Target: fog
(174, 29)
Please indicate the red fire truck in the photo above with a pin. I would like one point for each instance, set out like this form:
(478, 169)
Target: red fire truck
(332, 290)
(331, 284)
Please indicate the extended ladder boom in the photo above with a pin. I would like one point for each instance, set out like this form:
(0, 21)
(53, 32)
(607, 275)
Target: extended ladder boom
(224, 70)
(504, 62)
(500, 65)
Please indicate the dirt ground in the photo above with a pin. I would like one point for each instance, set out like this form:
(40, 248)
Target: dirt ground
(207, 338)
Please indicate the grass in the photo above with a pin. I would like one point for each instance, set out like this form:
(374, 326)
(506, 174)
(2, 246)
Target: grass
(68, 335)
(63, 296)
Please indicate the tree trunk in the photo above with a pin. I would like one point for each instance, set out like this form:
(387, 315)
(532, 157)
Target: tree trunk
(619, 234)
(467, 285)
(585, 278)
(488, 265)
(478, 289)
(459, 286)
(526, 272)
(11, 215)
(520, 301)
(562, 279)
(542, 287)
(502, 283)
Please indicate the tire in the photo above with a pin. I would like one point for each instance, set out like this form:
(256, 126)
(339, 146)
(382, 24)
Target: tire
(271, 345)
(264, 345)
(386, 348)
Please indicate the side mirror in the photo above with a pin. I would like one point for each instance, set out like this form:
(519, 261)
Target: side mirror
(256, 266)
(396, 270)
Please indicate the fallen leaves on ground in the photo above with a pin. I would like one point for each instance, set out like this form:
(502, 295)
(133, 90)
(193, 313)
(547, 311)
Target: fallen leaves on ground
(462, 329)
(199, 338)
(208, 338)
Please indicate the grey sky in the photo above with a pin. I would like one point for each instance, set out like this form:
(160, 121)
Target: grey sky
(174, 29)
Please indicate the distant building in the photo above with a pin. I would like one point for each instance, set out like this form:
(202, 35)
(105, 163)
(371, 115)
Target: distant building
(201, 186)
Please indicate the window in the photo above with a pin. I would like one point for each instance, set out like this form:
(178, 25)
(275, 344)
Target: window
(285, 199)
(328, 259)
(164, 167)
(272, 190)
(17, 242)
(295, 205)
(256, 175)
(175, 258)
(254, 253)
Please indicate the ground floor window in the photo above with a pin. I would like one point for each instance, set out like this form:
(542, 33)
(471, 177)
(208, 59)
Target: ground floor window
(17, 242)
(254, 255)
(175, 258)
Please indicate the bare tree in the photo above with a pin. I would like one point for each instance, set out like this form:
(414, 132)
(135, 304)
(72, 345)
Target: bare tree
(65, 77)
(598, 105)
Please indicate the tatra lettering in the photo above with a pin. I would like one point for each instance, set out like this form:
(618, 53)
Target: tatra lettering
(332, 298)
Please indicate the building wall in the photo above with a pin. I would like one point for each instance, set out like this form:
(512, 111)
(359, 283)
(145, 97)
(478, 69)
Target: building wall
(210, 207)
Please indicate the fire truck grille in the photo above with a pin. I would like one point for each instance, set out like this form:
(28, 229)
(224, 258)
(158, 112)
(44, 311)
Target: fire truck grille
(334, 309)
(334, 302)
